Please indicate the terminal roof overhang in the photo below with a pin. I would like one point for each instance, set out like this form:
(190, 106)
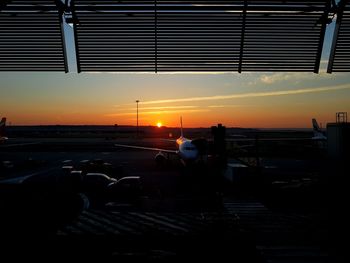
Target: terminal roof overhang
(173, 36)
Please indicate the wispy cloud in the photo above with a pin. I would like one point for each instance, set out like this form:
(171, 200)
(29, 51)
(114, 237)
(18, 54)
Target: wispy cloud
(252, 94)
(292, 76)
(157, 108)
(227, 106)
(156, 112)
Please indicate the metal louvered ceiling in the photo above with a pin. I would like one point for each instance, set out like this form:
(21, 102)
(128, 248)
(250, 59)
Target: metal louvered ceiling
(173, 36)
(119, 37)
(339, 60)
(31, 40)
(198, 35)
(275, 35)
(287, 39)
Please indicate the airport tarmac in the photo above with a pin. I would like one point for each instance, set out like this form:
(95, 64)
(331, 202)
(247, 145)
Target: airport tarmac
(40, 157)
(179, 207)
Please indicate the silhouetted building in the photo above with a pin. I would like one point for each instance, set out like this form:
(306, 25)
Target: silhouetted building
(338, 136)
(219, 147)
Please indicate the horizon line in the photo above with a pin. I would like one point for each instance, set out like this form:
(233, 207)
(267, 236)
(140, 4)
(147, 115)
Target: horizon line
(154, 126)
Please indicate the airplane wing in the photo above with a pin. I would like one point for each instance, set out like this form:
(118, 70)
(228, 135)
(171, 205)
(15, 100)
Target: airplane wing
(19, 144)
(168, 140)
(146, 148)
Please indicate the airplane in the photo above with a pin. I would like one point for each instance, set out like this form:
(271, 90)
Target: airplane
(3, 138)
(2, 130)
(318, 134)
(187, 149)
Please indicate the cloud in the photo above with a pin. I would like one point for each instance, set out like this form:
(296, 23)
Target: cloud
(252, 95)
(156, 112)
(267, 79)
(296, 76)
(227, 106)
(158, 107)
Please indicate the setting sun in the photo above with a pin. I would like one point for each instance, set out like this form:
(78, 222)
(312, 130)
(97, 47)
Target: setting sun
(159, 124)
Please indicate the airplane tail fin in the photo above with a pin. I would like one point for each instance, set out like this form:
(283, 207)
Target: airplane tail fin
(182, 134)
(2, 126)
(315, 125)
(316, 129)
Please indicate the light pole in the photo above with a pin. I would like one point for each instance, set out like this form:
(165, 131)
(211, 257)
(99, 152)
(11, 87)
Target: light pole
(137, 118)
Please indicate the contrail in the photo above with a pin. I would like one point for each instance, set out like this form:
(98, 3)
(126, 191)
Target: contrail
(252, 95)
(155, 112)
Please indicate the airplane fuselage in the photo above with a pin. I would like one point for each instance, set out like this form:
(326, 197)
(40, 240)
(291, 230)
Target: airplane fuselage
(319, 138)
(186, 149)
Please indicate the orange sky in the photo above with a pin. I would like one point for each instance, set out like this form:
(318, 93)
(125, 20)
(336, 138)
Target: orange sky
(275, 100)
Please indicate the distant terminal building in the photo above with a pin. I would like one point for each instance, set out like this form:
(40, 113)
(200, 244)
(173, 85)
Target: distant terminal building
(338, 137)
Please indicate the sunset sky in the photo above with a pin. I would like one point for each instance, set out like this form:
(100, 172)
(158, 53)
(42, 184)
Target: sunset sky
(270, 100)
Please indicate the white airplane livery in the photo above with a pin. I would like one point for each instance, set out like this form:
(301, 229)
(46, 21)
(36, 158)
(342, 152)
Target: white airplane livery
(186, 150)
(318, 134)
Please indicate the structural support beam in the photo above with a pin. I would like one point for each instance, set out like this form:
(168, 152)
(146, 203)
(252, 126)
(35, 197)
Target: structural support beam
(155, 37)
(75, 24)
(324, 21)
(244, 13)
(63, 40)
(339, 12)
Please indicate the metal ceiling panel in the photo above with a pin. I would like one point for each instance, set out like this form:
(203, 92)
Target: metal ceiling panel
(199, 35)
(120, 36)
(226, 36)
(31, 36)
(339, 60)
(284, 35)
(170, 36)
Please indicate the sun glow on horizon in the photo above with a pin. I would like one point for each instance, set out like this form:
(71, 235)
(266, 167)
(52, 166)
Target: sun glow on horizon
(267, 100)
